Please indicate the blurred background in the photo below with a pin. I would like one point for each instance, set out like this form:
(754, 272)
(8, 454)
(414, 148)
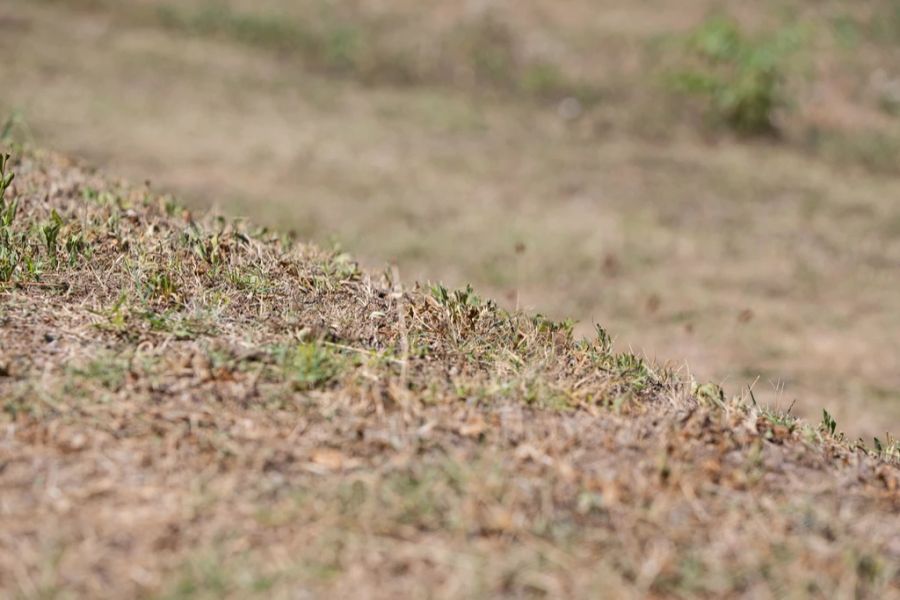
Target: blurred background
(715, 182)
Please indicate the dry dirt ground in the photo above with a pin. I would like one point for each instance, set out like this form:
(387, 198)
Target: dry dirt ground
(431, 135)
(198, 408)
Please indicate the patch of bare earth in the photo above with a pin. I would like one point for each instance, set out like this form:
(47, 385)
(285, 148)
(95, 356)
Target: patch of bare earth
(201, 409)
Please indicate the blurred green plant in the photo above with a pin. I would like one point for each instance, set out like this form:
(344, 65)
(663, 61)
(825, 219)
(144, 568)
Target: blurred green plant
(482, 52)
(5, 182)
(9, 255)
(7, 129)
(50, 235)
(740, 77)
(310, 366)
(829, 425)
(14, 131)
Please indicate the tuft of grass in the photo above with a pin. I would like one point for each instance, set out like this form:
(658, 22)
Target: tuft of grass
(14, 131)
(7, 212)
(310, 366)
(829, 425)
(76, 248)
(18, 251)
(10, 244)
(253, 281)
(741, 78)
(160, 285)
(115, 318)
(7, 129)
(889, 450)
(182, 327)
(50, 236)
(109, 372)
(709, 394)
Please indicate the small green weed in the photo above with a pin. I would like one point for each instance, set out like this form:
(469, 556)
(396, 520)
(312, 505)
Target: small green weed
(160, 285)
(5, 178)
(251, 280)
(709, 394)
(343, 267)
(6, 130)
(451, 299)
(14, 130)
(50, 235)
(633, 370)
(109, 372)
(889, 449)
(10, 243)
(829, 425)
(181, 326)
(309, 366)
(741, 78)
(115, 317)
(76, 247)
(207, 247)
(463, 305)
(547, 326)
(604, 340)
(538, 392)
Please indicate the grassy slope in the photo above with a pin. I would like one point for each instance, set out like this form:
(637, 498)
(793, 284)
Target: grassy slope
(200, 409)
(711, 251)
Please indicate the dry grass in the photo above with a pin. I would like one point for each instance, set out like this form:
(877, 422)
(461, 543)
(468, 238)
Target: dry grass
(691, 245)
(197, 408)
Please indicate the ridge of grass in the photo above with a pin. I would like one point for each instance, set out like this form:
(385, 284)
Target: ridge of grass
(195, 407)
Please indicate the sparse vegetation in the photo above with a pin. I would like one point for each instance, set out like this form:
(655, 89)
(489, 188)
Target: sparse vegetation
(628, 203)
(479, 52)
(197, 407)
(829, 425)
(740, 77)
(14, 130)
(176, 431)
(9, 241)
(310, 365)
(7, 211)
(50, 236)
(875, 150)
(7, 129)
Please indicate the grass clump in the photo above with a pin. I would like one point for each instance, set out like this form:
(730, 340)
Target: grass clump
(20, 247)
(50, 237)
(9, 243)
(310, 366)
(740, 78)
(5, 178)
